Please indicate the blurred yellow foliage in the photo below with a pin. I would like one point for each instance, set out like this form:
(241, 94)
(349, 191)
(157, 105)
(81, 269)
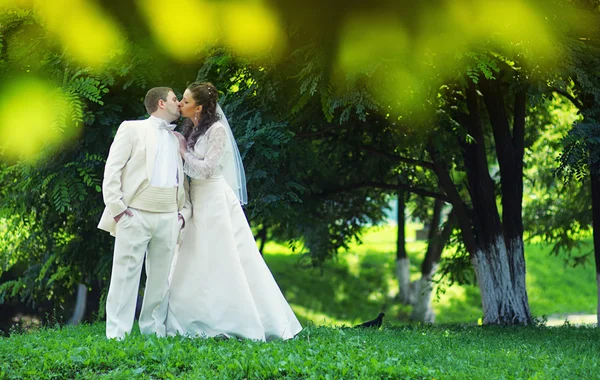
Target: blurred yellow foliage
(84, 29)
(184, 28)
(181, 28)
(401, 61)
(401, 54)
(251, 29)
(368, 37)
(510, 22)
(8, 4)
(28, 111)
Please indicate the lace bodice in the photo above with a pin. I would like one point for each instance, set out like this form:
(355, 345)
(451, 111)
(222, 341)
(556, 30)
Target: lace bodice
(210, 154)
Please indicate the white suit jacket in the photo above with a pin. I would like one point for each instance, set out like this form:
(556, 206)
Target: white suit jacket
(129, 169)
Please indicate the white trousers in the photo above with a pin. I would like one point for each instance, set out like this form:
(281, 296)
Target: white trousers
(152, 234)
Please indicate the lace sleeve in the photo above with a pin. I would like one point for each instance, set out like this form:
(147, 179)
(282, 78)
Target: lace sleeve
(199, 168)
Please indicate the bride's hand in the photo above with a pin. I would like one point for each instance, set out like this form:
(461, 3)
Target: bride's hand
(182, 143)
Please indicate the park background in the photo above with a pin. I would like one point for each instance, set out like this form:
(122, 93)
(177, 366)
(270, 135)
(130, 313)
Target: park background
(437, 161)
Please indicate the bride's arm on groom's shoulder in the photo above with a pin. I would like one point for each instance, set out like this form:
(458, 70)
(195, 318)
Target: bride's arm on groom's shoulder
(119, 154)
(217, 143)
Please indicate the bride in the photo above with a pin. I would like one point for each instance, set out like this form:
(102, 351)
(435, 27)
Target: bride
(220, 284)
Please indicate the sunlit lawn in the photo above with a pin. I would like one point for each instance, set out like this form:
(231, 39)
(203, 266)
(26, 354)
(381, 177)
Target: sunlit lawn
(408, 352)
(361, 282)
(355, 287)
(415, 352)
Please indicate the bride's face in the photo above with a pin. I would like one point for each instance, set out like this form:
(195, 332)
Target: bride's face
(188, 107)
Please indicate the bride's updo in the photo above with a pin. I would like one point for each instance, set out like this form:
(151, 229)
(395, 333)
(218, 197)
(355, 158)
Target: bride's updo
(205, 95)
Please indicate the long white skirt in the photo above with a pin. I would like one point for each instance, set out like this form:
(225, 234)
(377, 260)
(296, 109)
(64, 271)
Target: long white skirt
(220, 283)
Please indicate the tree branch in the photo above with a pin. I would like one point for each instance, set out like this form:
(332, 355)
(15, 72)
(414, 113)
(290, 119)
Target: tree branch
(406, 160)
(410, 161)
(459, 207)
(576, 102)
(319, 133)
(518, 137)
(385, 186)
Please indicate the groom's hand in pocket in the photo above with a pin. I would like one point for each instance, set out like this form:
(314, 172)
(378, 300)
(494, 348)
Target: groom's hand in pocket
(118, 217)
(182, 220)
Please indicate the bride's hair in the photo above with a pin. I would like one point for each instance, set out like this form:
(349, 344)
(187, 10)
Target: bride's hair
(205, 95)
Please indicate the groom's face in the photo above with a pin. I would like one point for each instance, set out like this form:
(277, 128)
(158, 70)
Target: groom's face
(172, 105)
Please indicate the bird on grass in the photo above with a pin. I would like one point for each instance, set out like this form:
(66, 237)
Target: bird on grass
(374, 323)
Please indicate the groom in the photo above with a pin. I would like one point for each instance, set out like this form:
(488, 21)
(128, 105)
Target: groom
(146, 206)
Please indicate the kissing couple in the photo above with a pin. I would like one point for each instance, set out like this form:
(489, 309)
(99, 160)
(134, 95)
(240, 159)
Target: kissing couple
(176, 200)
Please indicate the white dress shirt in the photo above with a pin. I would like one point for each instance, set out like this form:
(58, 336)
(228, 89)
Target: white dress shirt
(165, 172)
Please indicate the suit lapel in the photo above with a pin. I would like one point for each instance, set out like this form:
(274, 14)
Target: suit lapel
(150, 149)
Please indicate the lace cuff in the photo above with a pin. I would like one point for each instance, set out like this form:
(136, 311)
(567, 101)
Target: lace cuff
(207, 167)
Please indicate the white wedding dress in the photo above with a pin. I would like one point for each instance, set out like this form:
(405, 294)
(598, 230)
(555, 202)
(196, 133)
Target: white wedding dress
(220, 284)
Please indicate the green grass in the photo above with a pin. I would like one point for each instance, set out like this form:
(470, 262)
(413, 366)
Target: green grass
(351, 289)
(360, 283)
(441, 352)
(555, 288)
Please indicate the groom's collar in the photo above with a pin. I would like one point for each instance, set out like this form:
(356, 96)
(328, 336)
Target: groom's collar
(162, 123)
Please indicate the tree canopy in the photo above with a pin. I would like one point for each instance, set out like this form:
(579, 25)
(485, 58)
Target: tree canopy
(336, 106)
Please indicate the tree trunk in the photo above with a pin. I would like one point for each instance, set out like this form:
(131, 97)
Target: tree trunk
(595, 179)
(422, 289)
(434, 244)
(481, 228)
(502, 301)
(510, 151)
(402, 260)
(80, 304)
(499, 266)
(422, 310)
(464, 216)
(598, 287)
(262, 235)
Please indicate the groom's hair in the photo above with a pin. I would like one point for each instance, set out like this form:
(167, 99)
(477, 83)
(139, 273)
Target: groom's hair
(153, 96)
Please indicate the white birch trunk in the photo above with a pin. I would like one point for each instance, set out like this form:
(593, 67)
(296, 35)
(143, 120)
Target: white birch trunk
(422, 308)
(519, 275)
(80, 305)
(502, 303)
(598, 309)
(403, 276)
